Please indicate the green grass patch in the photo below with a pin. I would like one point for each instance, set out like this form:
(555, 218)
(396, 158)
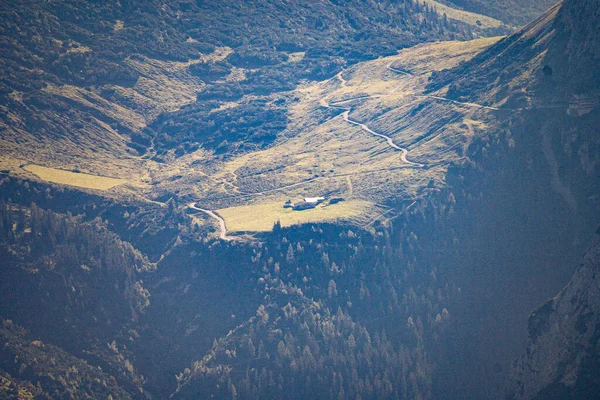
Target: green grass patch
(261, 217)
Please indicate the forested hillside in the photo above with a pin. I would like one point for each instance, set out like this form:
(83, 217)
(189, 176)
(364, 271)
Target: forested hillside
(75, 285)
(473, 169)
(55, 373)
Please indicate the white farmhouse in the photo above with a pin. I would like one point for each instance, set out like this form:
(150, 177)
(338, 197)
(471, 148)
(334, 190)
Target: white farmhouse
(314, 199)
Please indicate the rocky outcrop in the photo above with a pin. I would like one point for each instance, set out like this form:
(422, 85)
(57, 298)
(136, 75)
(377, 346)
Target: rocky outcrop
(562, 360)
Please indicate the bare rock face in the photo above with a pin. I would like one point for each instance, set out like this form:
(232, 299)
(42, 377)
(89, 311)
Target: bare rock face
(581, 18)
(574, 53)
(562, 360)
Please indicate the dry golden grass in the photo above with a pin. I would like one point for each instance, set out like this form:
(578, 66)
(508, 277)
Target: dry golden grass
(81, 180)
(261, 217)
(465, 16)
(93, 100)
(100, 146)
(437, 56)
(318, 154)
(79, 49)
(296, 56)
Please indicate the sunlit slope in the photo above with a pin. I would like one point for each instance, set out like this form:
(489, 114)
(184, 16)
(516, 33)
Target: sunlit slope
(96, 129)
(261, 217)
(324, 152)
(372, 134)
(83, 82)
(513, 12)
(74, 178)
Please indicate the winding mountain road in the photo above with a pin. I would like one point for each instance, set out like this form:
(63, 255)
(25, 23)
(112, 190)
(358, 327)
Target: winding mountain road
(222, 225)
(341, 78)
(389, 140)
(398, 71)
(346, 115)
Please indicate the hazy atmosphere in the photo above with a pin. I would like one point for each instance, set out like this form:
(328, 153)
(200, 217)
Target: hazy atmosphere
(308, 199)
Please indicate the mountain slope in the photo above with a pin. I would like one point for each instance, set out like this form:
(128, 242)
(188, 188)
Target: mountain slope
(33, 369)
(486, 241)
(552, 62)
(73, 285)
(512, 12)
(562, 359)
(472, 179)
(88, 79)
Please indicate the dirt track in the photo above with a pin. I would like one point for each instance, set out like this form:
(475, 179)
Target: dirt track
(222, 226)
